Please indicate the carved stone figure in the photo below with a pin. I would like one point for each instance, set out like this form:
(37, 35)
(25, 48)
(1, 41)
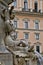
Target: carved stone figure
(10, 39)
(6, 24)
(7, 32)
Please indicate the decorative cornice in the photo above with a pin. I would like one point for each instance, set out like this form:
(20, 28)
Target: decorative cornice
(26, 19)
(28, 14)
(40, 30)
(37, 43)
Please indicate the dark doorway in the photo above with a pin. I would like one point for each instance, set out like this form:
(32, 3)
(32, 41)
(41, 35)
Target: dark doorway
(36, 6)
(25, 5)
(38, 49)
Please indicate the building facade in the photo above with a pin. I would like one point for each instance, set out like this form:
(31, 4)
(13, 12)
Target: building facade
(28, 21)
(28, 28)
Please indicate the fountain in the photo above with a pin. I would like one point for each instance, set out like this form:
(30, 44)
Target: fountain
(23, 50)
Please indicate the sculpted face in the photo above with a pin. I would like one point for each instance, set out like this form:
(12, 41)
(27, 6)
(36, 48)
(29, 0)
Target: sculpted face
(12, 24)
(13, 34)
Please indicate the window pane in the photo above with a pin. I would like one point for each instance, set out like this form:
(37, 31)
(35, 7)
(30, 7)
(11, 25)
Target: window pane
(26, 35)
(37, 36)
(26, 25)
(26, 5)
(36, 25)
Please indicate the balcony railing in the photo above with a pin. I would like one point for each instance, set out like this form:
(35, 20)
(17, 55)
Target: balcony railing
(31, 10)
(23, 9)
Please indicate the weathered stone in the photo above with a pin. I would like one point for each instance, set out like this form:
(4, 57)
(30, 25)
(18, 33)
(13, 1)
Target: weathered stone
(5, 55)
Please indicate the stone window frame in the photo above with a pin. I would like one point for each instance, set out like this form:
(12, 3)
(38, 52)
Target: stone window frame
(26, 20)
(27, 34)
(37, 38)
(26, 5)
(36, 21)
(37, 44)
(35, 5)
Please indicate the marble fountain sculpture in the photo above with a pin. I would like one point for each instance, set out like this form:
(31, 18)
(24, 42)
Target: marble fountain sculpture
(5, 55)
(20, 47)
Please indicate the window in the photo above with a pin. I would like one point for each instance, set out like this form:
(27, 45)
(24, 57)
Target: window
(38, 49)
(37, 36)
(36, 24)
(26, 35)
(15, 3)
(15, 24)
(25, 5)
(36, 6)
(26, 25)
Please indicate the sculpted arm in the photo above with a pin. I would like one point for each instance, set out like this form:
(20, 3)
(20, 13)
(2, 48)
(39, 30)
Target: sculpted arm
(9, 41)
